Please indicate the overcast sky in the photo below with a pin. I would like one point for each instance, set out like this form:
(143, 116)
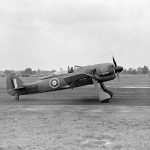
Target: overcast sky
(49, 34)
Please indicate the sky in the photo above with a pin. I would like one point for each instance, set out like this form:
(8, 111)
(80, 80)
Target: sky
(53, 34)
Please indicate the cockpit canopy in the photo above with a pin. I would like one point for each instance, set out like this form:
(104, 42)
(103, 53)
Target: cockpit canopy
(61, 72)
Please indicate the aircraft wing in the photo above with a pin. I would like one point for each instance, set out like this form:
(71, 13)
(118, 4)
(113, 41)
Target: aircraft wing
(77, 79)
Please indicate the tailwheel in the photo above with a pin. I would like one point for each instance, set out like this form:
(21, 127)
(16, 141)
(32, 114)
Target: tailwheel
(17, 97)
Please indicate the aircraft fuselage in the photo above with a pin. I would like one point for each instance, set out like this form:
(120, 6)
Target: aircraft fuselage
(104, 71)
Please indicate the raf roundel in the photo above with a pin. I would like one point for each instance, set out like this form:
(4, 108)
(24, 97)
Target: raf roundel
(54, 83)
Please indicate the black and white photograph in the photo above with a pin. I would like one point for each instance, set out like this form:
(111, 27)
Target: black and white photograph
(75, 75)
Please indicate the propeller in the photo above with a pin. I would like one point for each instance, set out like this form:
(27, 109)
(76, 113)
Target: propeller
(117, 68)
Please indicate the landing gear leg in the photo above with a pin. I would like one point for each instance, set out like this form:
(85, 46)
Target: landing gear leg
(103, 96)
(17, 97)
(107, 91)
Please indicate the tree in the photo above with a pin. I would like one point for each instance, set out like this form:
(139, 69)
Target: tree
(132, 71)
(145, 70)
(139, 70)
(28, 71)
(7, 72)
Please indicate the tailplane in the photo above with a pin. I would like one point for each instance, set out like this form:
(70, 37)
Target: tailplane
(13, 83)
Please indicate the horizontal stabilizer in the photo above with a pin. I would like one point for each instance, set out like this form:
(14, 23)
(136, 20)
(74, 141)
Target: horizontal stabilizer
(20, 88)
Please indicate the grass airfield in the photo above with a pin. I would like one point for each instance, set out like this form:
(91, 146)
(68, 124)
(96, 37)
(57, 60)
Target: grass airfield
(74, 119)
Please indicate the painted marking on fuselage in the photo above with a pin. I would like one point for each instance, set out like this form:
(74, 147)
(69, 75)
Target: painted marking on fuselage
(15, 83)
(54, 83)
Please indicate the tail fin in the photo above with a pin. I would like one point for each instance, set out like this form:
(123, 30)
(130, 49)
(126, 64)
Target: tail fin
(13, 82)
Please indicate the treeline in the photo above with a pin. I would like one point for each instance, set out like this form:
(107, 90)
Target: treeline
(28, 72)
(139, 70)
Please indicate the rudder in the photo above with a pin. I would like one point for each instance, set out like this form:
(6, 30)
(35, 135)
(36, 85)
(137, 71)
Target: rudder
(13, 82)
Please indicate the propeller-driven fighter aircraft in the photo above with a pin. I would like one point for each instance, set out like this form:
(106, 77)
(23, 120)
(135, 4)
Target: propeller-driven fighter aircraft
(75, 77)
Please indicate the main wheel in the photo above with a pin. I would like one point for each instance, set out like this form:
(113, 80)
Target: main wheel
(109, 92)
(105, 101)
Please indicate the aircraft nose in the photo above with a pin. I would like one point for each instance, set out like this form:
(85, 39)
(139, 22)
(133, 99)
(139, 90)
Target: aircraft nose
(118, 69)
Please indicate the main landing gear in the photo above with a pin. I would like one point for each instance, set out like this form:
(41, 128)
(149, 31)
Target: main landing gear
(106, 91)
(104, 94)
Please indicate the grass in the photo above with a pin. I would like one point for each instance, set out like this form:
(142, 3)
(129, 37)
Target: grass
(83, 126)
(131, 80)
(74, 127)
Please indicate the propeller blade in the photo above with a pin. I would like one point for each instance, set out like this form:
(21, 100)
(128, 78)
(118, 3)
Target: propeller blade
(114, 61)
(117, 74)
(118, 77)
(115, 66)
